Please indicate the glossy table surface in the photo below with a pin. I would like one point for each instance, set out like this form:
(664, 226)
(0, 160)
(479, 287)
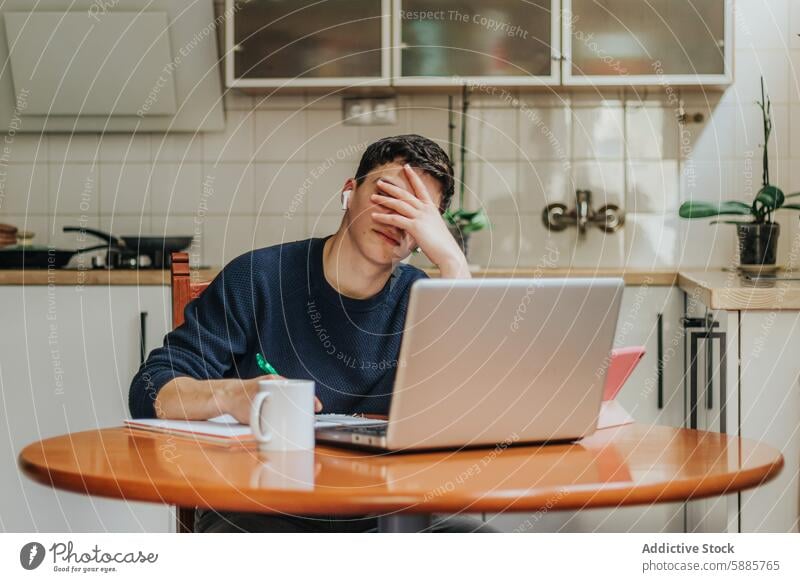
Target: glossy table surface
(626, 465)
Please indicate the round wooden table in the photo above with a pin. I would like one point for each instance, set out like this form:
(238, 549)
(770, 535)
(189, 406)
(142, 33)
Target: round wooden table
(626, 465)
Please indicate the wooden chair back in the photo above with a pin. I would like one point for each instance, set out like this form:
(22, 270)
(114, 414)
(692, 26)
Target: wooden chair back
(183, 291)
(183, 288)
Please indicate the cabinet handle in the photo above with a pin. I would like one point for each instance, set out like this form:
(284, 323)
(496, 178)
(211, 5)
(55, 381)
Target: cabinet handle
(708, 336)
(709, 369)
(660, 361)
(693, 380)
(723, 377)
(142, 336)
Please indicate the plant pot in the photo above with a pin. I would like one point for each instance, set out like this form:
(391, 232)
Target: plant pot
(462, 238)
(758, 243)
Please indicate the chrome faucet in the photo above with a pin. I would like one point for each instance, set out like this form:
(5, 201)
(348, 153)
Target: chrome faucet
(608, 218)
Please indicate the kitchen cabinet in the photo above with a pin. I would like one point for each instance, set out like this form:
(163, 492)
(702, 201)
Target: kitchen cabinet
(654, 42)
(649, 316)
(506, 43)
(769, 393)
(67, 355)
(742, 379)
(711, 370)
(109, 66)
(306, 43)
(453, 42)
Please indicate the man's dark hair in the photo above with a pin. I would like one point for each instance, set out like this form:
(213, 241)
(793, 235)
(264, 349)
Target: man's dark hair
(416, 150)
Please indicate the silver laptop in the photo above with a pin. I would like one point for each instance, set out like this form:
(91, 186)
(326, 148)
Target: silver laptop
(490, 361)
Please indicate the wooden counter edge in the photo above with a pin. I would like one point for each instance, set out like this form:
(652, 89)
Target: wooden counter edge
(92, 277)
(737, 298)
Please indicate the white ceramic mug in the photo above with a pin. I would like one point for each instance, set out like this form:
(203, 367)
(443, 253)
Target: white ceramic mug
(282, 415)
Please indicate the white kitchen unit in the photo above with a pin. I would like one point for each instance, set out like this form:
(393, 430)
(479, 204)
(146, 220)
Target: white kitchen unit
(306, 43)
(67, 356)
(750, 389)
(653, 42)
(770, 412)
(650, 316)
(711, 356)
(452, 43)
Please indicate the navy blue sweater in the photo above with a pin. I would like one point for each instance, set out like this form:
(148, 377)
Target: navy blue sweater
(277, 301)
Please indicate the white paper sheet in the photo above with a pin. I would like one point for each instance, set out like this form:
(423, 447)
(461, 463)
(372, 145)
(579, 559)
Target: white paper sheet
(226, 426)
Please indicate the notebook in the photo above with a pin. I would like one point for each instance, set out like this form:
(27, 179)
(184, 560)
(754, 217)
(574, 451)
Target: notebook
(622, 363)
(225, 429)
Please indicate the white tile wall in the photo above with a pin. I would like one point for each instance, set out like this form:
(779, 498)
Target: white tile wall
(653, 186)
(73, 189)
(26, 188)
(281, 135)
(545, 133)
(284, 154)
(542, 183)
(125, 188)
(598, 132)
(231, 188)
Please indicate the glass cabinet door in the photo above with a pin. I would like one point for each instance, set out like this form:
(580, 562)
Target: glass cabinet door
(307, 43)
(620, 42)
(449, 42)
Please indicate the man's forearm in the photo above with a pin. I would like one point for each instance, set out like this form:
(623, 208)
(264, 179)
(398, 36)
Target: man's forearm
(190, 399)
(457, 268)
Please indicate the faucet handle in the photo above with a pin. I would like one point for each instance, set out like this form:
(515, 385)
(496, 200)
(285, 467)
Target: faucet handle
(555, 217)
(609, 218)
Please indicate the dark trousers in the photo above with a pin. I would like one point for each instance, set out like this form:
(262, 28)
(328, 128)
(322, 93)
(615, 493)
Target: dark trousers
(211, 521)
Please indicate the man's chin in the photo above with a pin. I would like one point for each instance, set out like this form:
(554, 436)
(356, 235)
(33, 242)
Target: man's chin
(385, 255)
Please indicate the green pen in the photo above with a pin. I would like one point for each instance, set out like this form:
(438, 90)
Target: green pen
(265, 365)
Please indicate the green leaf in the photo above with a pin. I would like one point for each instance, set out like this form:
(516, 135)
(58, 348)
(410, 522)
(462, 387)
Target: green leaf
(771, 197)
(468, 216)
(701, 209)
(791, 206)
(793, 195)
(451, 217)
(477, 221)
(731, 222)
(467, 221)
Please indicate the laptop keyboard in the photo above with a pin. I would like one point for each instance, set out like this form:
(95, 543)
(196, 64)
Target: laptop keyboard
(371, 430)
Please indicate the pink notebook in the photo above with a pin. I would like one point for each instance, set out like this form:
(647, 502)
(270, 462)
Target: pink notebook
(623, 361)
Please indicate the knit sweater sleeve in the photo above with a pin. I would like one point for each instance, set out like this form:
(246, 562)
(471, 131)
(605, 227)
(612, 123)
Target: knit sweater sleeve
(216, 329)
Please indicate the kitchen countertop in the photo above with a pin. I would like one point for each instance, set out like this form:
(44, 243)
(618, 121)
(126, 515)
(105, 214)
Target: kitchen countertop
(159, 277)
(726, 290)
(717, 289)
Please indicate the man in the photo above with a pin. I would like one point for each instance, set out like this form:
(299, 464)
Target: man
(328, 309)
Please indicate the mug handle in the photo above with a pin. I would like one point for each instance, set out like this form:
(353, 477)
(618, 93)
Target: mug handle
(255, 417)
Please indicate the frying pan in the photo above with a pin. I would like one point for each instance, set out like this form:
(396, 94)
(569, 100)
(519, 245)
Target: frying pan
(142, 244)
(157, 247)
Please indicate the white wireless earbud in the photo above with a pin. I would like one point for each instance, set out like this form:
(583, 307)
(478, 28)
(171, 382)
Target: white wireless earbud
(345, 199)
